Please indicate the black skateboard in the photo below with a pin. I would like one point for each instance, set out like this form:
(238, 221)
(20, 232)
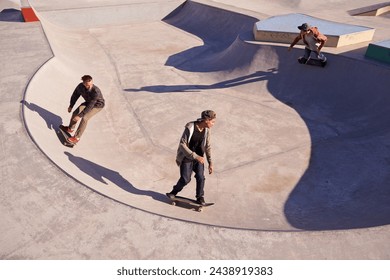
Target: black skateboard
(193, 204)
(64, 136)
(312, 61)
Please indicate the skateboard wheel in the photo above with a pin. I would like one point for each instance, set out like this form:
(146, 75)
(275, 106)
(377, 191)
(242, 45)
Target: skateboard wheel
(173, 203)
(200, 209)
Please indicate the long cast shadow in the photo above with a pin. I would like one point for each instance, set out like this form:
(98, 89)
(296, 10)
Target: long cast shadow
(239, 81)
(53, 121)
(101, 174)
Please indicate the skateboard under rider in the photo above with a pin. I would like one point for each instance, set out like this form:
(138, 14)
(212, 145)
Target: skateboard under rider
(65, 136)
(189, 202)
(312, 61)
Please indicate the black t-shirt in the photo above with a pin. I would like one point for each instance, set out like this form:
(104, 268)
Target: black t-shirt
(196, 141)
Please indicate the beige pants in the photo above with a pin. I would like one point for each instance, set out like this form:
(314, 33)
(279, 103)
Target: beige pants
(84, 120)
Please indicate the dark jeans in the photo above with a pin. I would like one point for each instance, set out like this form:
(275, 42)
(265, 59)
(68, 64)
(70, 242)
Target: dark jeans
(318, 56)
(186, 169)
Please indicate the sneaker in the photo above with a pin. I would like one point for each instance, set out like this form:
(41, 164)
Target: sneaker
(200, 200)
(171, 194)
(73, 140)
(66, 129)
(321, 57)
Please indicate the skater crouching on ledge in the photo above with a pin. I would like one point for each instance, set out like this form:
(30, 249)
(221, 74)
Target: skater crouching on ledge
(313, 40)
(194, 144)
(94, 103)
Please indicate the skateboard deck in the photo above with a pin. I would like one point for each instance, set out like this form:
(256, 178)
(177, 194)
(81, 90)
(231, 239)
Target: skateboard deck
(189, 202)
(312, 61)
(64, 136)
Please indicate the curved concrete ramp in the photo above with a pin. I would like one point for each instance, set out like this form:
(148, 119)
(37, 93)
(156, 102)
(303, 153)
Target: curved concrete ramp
(295, 147)
(283, 29)
(217, 28)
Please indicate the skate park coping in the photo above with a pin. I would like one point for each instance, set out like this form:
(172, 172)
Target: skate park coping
(283, 29)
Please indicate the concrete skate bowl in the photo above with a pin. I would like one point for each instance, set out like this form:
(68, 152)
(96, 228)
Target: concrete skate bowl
(295, 147)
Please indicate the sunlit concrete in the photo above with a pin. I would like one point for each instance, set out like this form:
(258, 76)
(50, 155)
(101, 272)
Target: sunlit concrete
(295, 160)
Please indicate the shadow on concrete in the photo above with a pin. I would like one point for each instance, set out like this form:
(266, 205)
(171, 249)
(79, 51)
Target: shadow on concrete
(344, 105)
(239, 81)
(11, 15)
(52, 120)
(345, 109)
(101, 174)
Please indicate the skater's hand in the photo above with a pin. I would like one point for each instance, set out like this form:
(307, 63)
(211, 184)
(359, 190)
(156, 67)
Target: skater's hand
(200, 160)
(69, 109)
(210, 169)
(76, 119)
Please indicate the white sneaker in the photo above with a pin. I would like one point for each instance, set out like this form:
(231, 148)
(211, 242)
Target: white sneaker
(321, 57)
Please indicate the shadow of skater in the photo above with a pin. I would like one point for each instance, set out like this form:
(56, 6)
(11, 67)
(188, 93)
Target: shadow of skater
(101, 174)
(52, 120)
(239, 81)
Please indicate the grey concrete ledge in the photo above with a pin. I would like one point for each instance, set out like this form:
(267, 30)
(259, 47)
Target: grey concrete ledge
(283, 29)
(372, 10)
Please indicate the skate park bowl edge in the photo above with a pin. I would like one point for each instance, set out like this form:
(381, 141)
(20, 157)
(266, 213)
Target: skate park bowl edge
(283, 29)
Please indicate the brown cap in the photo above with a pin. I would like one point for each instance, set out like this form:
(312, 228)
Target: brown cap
(304, 27)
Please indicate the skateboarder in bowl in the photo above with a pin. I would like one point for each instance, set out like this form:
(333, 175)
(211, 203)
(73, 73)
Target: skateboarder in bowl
(194, 146)
(94, 103)
(313, 40)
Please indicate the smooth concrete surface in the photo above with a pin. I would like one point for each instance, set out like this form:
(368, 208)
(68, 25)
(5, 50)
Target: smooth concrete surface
(300, 167)
(283, 29)
(10, 4)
